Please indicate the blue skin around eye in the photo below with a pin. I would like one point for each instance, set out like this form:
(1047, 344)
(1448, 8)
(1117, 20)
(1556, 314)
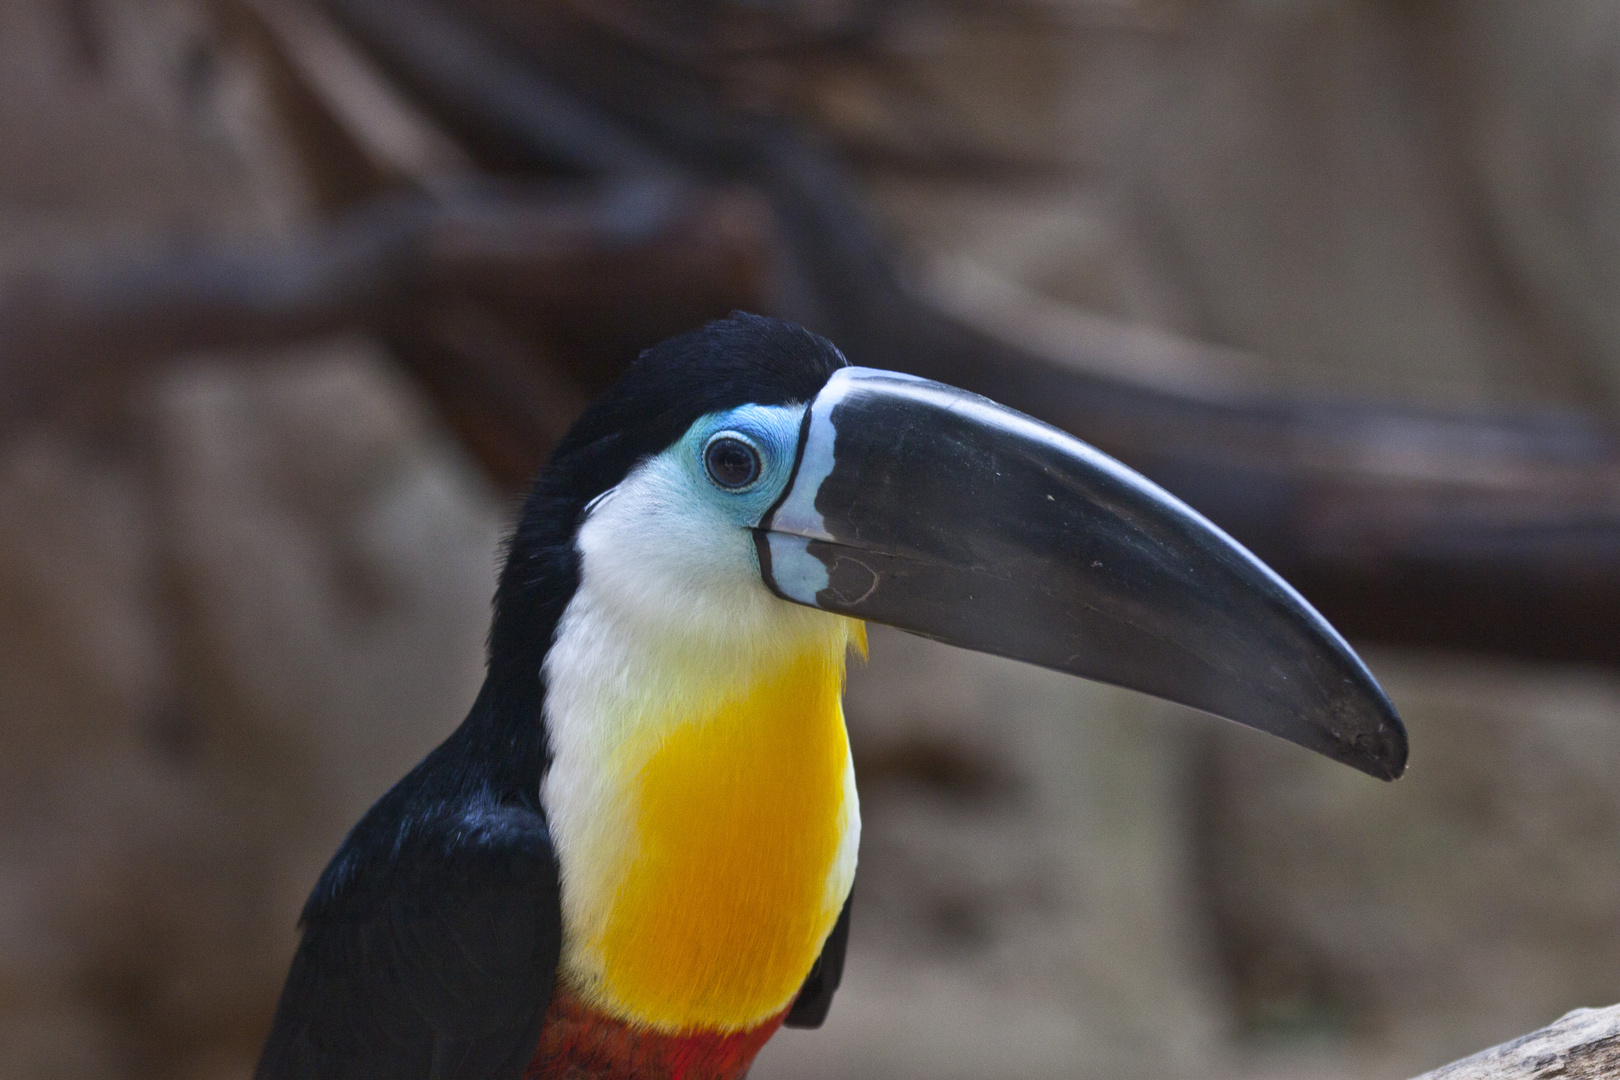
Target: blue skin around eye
(773, 429)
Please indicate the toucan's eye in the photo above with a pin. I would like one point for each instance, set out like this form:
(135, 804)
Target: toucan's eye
(732, 463)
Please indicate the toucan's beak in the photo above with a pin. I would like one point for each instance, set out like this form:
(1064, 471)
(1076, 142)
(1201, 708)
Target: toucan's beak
(940, 512)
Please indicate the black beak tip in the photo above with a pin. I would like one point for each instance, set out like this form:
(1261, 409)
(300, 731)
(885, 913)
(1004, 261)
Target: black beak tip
(1380, 751)
(1392, 756)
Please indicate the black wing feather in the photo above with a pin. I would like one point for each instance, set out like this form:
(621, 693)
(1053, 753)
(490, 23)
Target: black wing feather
(435, 968)
(815, 996)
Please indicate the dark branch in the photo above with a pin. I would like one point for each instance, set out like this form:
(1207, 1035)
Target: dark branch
(1487, 531)
(598, 271)
(1493, 531)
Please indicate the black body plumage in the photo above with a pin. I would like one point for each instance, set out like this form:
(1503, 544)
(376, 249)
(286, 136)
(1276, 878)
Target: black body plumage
(430, 943)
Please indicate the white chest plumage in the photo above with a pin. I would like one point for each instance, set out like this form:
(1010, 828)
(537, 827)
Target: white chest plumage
(700, 796)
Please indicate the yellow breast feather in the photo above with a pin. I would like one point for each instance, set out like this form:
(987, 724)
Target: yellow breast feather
(731, 888)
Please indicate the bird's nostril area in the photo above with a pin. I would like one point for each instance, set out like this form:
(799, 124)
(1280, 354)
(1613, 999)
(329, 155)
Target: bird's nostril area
(850, 581)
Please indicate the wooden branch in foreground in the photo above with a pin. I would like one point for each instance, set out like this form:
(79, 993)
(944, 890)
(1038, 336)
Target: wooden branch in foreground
(1583, 1045)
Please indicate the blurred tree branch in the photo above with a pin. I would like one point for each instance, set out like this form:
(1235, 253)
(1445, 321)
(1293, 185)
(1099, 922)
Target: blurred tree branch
(595, 269)
(1491, 531)
(512, 304)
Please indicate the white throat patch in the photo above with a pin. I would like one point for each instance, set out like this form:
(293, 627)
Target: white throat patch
(671, 618)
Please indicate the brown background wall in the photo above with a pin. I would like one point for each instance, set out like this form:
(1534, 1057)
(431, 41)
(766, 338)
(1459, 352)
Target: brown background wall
(240, 597)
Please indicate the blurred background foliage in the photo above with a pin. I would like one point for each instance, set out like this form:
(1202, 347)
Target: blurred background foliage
(293, 297)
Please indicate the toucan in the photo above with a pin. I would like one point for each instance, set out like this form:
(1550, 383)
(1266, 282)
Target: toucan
(634, 857)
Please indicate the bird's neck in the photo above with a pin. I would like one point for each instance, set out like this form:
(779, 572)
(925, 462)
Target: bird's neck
(702, 803)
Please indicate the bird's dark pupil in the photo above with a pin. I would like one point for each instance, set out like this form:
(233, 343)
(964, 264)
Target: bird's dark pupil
(731, 462)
